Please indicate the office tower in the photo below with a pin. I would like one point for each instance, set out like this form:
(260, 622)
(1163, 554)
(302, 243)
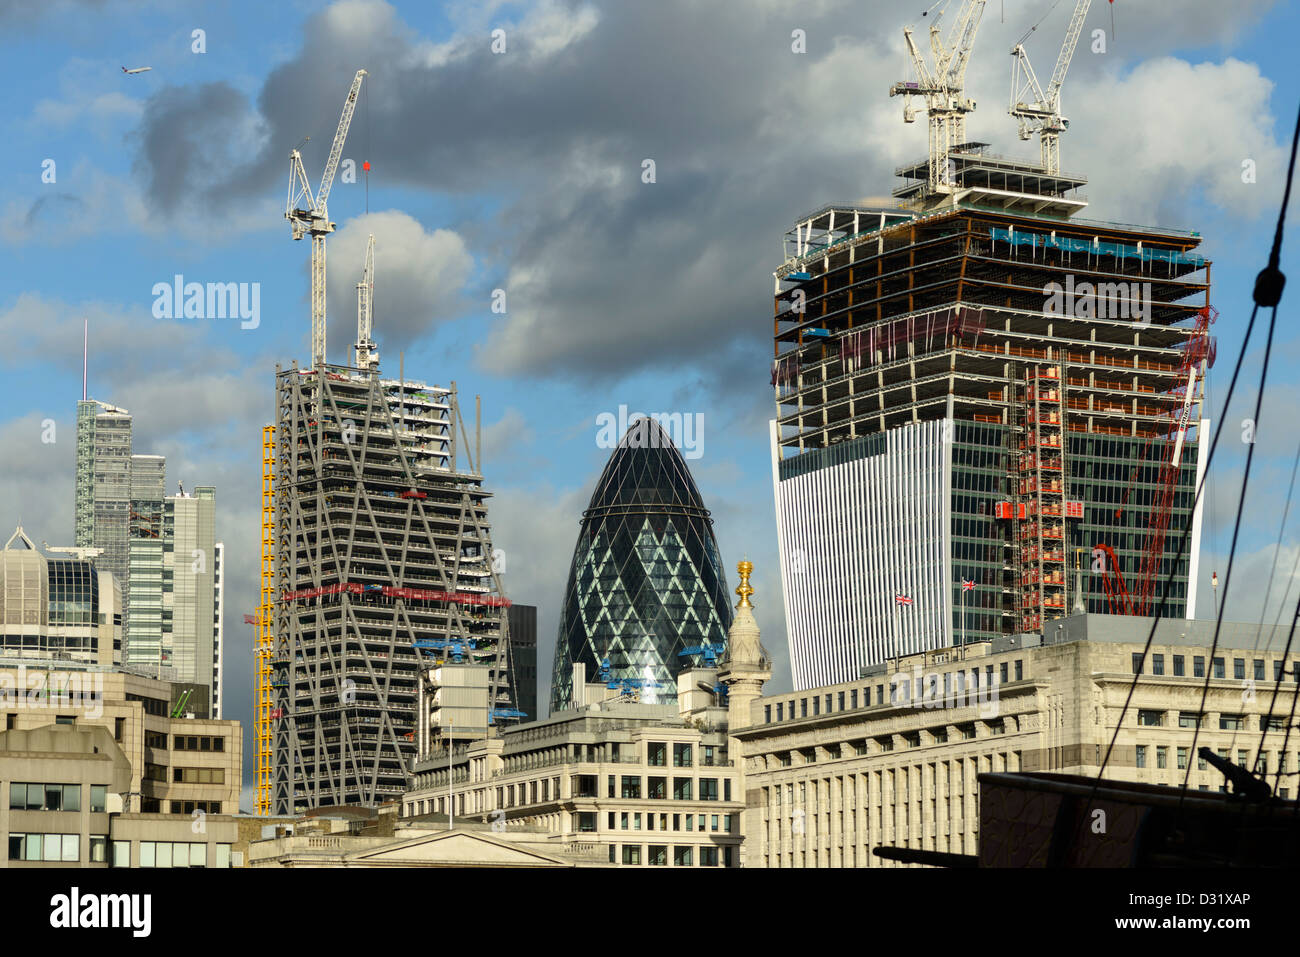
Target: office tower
(192, 568)
(103, 489)
(974, 387)
(219, 632)
(145, 617)
(647, 593)
(523, 655)
(382, 572)
(65, 609)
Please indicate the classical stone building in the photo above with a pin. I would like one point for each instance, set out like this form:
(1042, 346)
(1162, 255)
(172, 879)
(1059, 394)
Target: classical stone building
(637, 784)
(892, 759)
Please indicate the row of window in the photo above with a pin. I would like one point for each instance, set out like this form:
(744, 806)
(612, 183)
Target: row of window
(657, 855)
(190, 742)
(55, 797)
(63, 848)
(1142, 754)
(886, 694)
(1218, 665)
(173, 854)
(631, 821)
(657, 788)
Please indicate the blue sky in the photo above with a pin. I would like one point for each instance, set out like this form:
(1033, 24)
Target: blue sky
(522, 171)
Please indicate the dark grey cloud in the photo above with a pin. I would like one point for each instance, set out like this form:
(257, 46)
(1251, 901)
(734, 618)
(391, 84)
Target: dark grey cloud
(605, 274)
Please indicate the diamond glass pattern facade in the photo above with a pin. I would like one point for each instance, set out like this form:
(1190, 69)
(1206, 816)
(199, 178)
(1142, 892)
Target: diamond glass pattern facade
(646, 581)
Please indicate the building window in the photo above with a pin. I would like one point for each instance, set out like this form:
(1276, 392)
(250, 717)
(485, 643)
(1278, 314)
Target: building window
(613, 849)
(657, 789)
(853, 699)
(841, 701)
(1218, 668)
(681, 856)
(1002, 672)
(1182, 759)
(631, 787)
(1238, 668)
(631, 853)
(1137, 664)
(779, 708)
(767, 714)
(1179, 668)
(1232, 722)
(1198, 666)
(1140, 754)
(682, 756)
(657, 753)
(121, 853)
(1277, 670)
(726, 789)
(708, 857)
(803, 707)
(708, 758)
(682, 790)
(1162, 757)
(816, 707)
(1151, 718)
(611, 786)
(199, 775)
(1020, 670)
(708, 789)
(1259, 669)
(809, 755)
(1188, 719)
(657, 855)
(1157, 664)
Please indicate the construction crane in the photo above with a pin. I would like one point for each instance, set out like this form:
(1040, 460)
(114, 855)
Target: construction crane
(1198, 355)
(309, 215)
(1042, 114)
(943, 87)
(367, 353)
(708, 652)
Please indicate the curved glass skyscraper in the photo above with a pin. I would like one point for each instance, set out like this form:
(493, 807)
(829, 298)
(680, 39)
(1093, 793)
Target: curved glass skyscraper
(646, 581)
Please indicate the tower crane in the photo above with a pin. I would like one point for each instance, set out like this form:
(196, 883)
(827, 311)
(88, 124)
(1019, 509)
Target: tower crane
(309, 215)
(367, 353)
(943, 86)
(1042, 114)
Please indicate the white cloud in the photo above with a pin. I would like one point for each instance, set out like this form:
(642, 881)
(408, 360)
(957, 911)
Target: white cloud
(419, 276)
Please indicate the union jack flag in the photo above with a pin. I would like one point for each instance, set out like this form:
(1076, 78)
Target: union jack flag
(902, 600)
(967, 586)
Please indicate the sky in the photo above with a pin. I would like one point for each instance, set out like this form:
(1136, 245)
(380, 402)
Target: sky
(508, 144)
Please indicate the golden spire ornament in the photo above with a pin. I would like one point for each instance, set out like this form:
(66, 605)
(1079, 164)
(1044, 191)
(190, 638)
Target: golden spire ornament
(744, 590)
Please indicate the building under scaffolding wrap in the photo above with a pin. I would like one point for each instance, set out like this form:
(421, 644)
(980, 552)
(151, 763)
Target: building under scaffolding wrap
(383, 575)
(973, 385)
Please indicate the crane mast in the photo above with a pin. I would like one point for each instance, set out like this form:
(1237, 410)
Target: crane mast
(942, 87)
(1042, 113)
(309, 215)
(367, 353)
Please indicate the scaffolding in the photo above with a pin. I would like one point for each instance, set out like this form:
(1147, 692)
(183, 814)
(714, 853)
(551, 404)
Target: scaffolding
(264, 624)
(383, 550)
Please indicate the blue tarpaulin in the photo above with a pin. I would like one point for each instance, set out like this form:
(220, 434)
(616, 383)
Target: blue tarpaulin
(1120, 250)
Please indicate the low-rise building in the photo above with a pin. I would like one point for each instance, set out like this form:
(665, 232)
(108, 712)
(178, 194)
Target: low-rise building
(178, 765)
(892, 759)
(66, 787)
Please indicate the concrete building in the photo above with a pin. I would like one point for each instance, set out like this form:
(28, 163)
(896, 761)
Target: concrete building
(891, 759)
(966, 385)
(103, 486)
(61, 608)
(146, 629)
(381, 573)
(177, 765)
(638, 784)
(67, 785)
(192, 569)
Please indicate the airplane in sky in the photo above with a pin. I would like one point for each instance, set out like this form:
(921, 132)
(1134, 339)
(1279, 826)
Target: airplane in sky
(139, 69)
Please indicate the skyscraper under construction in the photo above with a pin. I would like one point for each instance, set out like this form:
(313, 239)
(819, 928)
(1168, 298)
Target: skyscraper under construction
(383, 568)
(988, 414)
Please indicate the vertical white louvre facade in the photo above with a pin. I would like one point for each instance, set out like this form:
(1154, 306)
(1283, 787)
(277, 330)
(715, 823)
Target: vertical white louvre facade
(858, 524)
